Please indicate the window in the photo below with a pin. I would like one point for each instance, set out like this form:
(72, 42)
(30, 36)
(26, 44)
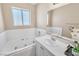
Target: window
(21, 16)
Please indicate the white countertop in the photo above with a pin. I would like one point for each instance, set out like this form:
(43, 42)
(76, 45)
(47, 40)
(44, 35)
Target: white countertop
(55, 47)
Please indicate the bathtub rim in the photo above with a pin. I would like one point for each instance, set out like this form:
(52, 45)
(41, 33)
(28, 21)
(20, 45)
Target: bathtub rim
(14, 51)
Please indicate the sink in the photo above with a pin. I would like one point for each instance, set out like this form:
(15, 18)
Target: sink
(55, 44)
(56, 47)
(50, 43)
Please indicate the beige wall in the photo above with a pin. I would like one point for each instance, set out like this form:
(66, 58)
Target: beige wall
(66, 16)
(8, 20)
(1, 20)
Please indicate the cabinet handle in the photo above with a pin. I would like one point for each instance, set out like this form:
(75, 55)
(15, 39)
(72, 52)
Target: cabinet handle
(41, 47)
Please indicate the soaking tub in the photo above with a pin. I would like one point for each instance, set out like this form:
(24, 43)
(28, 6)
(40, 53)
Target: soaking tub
(19, 42)
(25, 51)
(16, 49)
(19, 47)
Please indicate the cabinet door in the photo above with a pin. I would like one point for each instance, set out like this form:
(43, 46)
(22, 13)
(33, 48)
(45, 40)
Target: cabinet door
(42, 51)
(39, 50)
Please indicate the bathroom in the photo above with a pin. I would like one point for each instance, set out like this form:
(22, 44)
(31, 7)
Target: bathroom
(36, 29)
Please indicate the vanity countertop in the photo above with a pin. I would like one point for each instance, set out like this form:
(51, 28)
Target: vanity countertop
(55, 47)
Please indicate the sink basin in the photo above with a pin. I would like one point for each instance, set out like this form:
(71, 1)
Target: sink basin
(56, 44)
(50, 43)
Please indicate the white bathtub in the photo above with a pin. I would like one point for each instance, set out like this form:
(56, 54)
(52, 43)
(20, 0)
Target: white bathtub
(25, 51)
(19, 42)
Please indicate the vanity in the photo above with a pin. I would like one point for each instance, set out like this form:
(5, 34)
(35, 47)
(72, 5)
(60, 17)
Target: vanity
(51, 45)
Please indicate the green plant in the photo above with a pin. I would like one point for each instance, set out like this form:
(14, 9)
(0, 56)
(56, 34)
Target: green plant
(76, 48)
